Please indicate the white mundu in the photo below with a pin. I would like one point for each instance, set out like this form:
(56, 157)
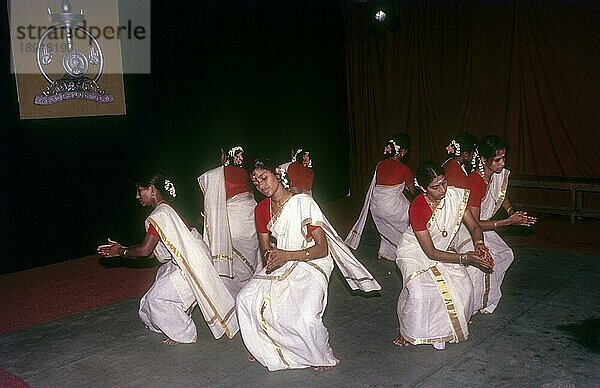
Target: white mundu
(229, 230)
(435, 302)
(187, 276)
(280, 313)
(486, 286)
(389, 209)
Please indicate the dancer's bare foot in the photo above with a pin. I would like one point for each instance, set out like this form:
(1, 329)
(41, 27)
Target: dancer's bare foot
(170, 342)
(401, 341)
(324, 368)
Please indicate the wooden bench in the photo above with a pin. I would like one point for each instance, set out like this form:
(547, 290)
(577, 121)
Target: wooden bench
(550, 186)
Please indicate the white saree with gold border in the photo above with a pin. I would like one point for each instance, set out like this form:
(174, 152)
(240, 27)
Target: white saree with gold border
(435, 302)
(280, 313)
(389, 209)
(229, 230)
(192, 258)
(486, 286)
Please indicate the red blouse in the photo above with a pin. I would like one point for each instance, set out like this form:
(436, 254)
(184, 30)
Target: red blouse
(478, 189)
(455, 174)
(390, 172)
(301, 176)
(262, 216)
(152, 231)
(236, 181)
(419, 213)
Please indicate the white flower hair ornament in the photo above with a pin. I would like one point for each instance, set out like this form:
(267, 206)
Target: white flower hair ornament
(416, 182)
(396, 147)
(231, 154)
(234, 150)
(474, 159)
(295, 154)
(309, 164)
(283, 177)
(480, 167)
(170, 188)
(453, 148)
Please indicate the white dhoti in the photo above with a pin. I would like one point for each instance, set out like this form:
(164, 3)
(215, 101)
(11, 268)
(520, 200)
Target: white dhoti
(280, 314)
(245, 251)
(434, 305)
(389, 209)
(163, 309)
(187, 277)
(229, 231)
(486, 286)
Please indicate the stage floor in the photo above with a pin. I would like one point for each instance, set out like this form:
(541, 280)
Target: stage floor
(545, 332)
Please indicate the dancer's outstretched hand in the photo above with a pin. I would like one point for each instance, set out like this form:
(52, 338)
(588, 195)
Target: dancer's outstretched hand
(112, 249)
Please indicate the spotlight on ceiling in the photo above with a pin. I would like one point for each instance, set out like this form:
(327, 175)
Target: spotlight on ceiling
(380, 16)
(383, 19)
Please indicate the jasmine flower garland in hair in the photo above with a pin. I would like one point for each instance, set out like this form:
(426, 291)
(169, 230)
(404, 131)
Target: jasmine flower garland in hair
(453, 147)
(283, 177)
(480, 168)
(396, 147)
(170, 188)
(234, 150)
(474, 159)
(295, 156)
(416, 182)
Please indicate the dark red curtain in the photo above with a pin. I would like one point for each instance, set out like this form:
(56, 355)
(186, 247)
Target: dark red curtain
(523, 70)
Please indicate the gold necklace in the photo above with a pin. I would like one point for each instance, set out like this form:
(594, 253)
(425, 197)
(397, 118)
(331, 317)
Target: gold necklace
(278, 206)
(444, 232)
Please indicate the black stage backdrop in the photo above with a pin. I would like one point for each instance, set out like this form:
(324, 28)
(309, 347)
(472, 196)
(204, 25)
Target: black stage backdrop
(272, 75)
(269, 75)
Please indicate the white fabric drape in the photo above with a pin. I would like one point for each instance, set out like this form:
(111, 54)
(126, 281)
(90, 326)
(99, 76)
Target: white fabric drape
(389, 209)
(486, 286)
(280, 313)
(229, 230)
(435, 301)
(192, 257)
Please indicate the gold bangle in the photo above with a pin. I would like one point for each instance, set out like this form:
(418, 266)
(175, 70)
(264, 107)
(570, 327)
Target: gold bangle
(495, 225)
(463, 260)
(509, 209)
(307, 253)
(125, 253)
(478, 242)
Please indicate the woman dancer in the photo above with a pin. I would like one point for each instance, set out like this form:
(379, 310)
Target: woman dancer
(462, 150)
(386, 200)
(186, 277)
(434, 306)
(488, 186)
(280, 309)
(229, 220)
